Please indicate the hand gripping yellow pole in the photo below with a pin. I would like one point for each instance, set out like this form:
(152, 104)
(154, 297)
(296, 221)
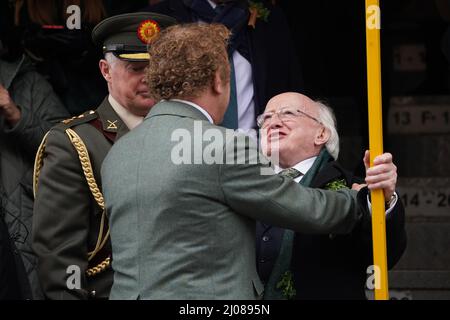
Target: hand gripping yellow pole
(376, 145)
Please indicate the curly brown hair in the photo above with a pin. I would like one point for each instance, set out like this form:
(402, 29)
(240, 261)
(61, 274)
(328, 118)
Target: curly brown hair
(185, 58)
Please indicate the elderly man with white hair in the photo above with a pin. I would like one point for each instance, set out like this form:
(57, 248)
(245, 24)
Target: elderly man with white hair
(300, 135)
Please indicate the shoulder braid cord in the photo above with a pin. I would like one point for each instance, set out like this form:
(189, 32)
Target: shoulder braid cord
(38, 161)
(85, 162)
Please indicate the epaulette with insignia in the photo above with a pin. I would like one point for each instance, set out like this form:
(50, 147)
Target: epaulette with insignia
(82, 118)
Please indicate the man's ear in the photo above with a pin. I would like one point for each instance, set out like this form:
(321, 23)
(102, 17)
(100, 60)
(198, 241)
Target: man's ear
(105, 69)
(219, 85)
(322, 136)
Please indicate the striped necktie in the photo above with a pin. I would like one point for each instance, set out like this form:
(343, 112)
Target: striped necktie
(290, 173)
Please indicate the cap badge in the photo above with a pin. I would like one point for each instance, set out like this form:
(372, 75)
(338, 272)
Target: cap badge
(147, 30)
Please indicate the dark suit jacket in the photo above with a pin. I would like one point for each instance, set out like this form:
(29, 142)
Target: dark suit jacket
(275, 65)
(332, 266)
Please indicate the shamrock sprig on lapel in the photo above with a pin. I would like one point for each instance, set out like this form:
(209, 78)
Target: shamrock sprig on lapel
(287, 285)
(336, 185)
(257, 10)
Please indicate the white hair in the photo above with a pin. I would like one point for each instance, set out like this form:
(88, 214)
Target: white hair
(328, 119)
(111, 58)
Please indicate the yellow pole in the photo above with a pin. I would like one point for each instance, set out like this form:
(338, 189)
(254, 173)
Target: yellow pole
(376, 145)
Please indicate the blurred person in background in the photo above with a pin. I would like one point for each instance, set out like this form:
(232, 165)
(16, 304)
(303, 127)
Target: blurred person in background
(28, 109)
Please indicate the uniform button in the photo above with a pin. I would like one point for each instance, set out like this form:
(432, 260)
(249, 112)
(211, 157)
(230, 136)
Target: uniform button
(265, 238)
(262, 260)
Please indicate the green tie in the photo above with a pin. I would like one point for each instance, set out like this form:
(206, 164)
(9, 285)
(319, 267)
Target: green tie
(230, 120)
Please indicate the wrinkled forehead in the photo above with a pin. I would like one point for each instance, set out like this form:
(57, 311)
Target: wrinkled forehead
(291, 100)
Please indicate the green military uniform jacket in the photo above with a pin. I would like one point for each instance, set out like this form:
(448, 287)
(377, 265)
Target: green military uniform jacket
(69, 222)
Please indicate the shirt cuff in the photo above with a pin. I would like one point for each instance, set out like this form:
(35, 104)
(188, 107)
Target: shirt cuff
(388, 210)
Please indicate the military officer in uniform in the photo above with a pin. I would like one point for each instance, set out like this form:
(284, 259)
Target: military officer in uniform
(70, 229)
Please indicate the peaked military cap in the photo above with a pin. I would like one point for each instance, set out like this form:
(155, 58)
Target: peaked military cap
(128, 35)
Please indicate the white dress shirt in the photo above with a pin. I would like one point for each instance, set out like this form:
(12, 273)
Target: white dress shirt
(196, 106)
(131, 120)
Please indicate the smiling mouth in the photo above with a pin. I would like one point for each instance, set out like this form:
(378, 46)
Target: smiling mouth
(276, 135)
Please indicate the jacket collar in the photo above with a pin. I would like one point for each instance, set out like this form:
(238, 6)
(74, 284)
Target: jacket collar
(111, 122)
(330, 172)
(175, 108)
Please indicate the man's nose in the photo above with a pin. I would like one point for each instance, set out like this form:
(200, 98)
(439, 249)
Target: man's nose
(275, 122)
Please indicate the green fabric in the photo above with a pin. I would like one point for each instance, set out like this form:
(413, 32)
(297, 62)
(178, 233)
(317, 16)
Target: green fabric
(281, 274)
(230, 119)
(82, 215)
